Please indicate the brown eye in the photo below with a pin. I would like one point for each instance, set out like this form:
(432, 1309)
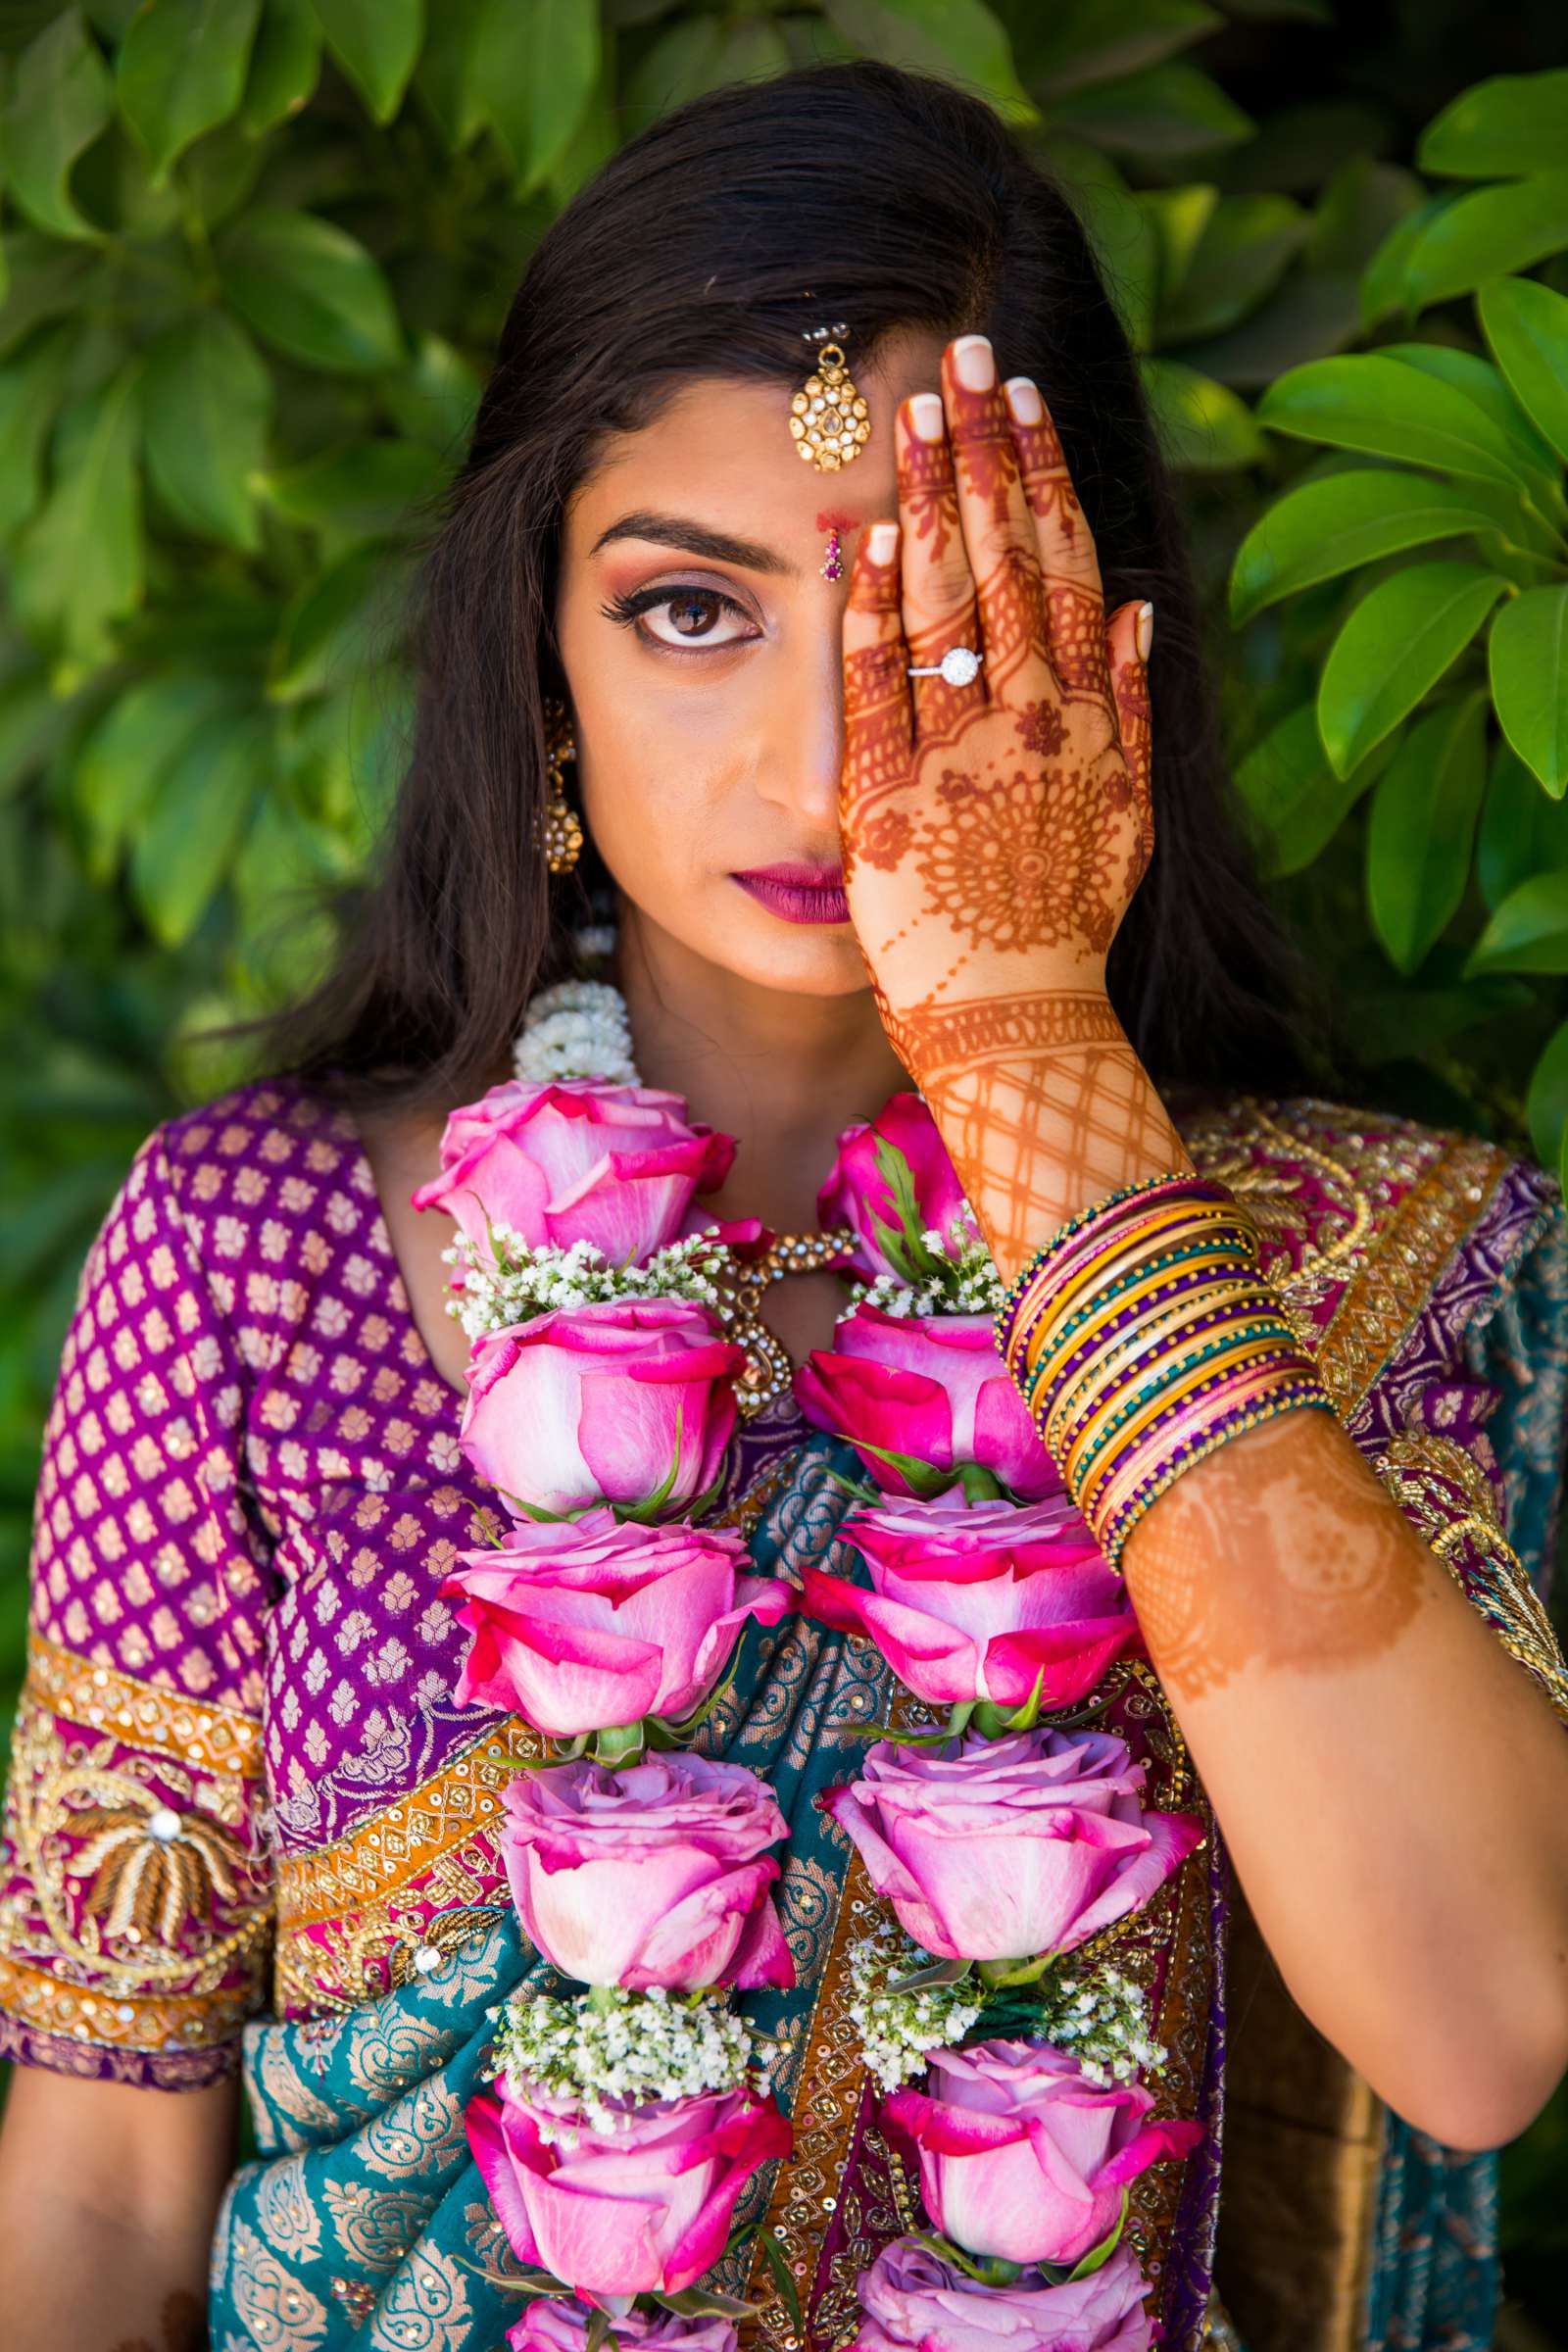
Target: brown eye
(679, 619)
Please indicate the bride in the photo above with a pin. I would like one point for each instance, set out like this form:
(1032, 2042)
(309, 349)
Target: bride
(777, 1391)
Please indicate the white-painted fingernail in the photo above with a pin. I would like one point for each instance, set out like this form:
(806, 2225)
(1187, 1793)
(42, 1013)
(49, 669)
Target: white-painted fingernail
(1023, 399)
(1144, 632)
(927, 415)
(881, 541)
(974, 362)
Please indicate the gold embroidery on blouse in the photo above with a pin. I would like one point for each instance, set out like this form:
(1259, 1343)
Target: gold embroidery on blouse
(1475, 1550)
(159, 1866)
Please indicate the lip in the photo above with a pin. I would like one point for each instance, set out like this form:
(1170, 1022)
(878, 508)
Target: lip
(798, 894)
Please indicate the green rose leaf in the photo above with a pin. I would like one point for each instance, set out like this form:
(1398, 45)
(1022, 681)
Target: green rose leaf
(1526, 325)
(1394, 648)
(1392, 410)
(60, 101)
(1331, 526)
(311, 290)
(1529, 660)
(1422, 825)
(185, 842)
(1511, 124)
(1529, 931)
(206, 405)
(376, 43)
(181, 70)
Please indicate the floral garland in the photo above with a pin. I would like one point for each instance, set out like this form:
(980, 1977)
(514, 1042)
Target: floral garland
(625, 2121)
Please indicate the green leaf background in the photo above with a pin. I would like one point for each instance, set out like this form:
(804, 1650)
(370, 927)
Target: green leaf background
(254, 255)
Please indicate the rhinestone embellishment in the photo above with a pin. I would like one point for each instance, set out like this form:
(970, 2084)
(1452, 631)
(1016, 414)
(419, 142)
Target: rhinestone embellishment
(829, 418)
(960, 665)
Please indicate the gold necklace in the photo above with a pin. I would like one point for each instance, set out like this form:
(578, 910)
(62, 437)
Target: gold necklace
(768, 1369)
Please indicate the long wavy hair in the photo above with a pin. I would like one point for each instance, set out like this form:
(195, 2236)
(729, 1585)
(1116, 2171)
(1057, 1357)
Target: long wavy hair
(855, 192)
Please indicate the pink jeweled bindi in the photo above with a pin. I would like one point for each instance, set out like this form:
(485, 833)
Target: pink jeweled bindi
(832, 562)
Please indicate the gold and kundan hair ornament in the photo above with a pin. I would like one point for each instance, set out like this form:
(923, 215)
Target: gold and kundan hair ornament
(1142, 1337)
(828, 415)
(561, 834)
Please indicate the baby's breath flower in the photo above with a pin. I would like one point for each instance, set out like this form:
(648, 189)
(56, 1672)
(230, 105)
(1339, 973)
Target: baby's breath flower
(524, 1281)
(599, 2057)
(963, 1280)
(899, 2029)
(1100, 2017)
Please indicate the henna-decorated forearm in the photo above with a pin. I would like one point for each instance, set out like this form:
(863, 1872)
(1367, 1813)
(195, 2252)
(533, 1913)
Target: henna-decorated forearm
(1035, 1139)
(1280, 1549)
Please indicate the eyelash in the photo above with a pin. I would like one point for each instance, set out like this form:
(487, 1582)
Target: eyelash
(627, 610)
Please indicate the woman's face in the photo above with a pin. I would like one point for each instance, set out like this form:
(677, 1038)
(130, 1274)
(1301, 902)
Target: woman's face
(702, 647)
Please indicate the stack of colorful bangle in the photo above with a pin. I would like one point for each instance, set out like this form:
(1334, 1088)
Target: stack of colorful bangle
(1144, 1336)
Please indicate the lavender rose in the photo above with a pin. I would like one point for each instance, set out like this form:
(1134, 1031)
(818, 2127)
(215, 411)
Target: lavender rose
(1003, 1849)
(614, 1165)
(654, 1874)
(612, 1402)
(1023, 2158)
(916, 2302)
(858, 1191)
(591, 1626)
(644, 2209)
(927, 1386)
(981, 1603)
(553, 2323)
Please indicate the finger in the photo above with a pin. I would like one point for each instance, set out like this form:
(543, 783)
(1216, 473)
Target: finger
(878, 714)
(1129, 634)
(1075, 612)
(940, 607)
(998, 527)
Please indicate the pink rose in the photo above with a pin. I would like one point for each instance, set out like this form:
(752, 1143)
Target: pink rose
(930, 1386)
(916, 2302)
(654, 1874)
(1003, 1849)
(614, 1165)
(553, 2324)
(981, 1603)
(643, 2210)
(603, 1403)
(1021, 2157)
(586, 1627)
(859, 1193)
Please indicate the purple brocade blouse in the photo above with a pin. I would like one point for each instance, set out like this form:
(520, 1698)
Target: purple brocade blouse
(240, 1781)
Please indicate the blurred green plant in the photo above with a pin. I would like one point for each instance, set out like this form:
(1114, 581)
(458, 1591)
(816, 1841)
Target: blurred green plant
(1422, 571)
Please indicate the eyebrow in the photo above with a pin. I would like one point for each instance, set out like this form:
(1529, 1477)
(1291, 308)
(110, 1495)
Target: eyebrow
(697, 539)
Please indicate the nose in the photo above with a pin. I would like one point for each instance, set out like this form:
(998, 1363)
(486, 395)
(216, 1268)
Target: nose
(807, 750)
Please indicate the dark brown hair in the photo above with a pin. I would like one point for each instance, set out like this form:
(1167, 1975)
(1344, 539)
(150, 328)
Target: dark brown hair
(850, 191)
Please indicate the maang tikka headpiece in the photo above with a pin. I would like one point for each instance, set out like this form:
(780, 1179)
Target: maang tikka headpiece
(828, 417)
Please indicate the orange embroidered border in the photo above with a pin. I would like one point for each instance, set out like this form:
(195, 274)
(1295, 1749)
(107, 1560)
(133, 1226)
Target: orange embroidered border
(142, 1714)
(112, 2018)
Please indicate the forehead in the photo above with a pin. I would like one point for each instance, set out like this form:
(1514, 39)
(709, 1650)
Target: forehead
(720, 451)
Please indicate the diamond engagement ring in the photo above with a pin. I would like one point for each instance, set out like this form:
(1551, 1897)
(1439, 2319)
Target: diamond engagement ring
(958, 666)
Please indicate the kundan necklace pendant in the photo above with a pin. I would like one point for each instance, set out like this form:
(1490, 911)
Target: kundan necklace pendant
(828, 415)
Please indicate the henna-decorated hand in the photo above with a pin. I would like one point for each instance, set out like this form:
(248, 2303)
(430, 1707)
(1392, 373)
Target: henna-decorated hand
(994, 833)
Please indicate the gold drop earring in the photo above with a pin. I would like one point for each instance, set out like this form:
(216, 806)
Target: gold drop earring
(561, 834)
